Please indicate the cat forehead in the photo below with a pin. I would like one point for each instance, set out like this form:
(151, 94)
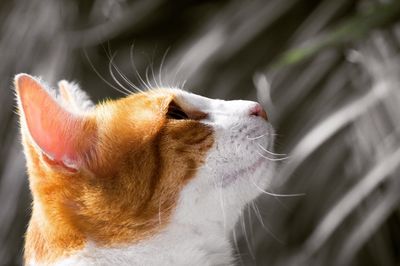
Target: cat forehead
(191, 98)
(160, 99)
(183, 97)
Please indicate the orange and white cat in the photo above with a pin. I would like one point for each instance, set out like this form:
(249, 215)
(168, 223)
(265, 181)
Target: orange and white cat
(155, 178)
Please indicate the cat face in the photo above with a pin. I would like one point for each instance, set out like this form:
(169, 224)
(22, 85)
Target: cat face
(125, 170)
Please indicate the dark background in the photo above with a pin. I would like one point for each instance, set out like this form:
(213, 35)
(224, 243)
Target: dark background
(326, 71)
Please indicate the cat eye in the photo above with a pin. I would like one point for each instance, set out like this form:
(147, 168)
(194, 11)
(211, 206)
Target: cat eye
(175, 112)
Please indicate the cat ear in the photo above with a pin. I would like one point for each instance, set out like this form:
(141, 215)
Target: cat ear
(65, 138)
(75, 98)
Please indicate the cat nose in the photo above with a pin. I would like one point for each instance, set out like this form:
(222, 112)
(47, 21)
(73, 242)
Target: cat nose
(257, 110)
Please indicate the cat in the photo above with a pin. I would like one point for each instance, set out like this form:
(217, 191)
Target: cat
(156, 178)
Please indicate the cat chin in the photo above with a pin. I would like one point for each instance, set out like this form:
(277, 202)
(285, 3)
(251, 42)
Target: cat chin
(213, 207)
(242, 173)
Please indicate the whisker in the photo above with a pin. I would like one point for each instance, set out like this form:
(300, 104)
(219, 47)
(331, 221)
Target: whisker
(272, 159)
(257, 212)
(251, 230)
(255, 138)
(250, 220)
(235, 242)
(161, 66)
(270, 152)
(135, 68)
(100, 76)
(153, 74)
(258, 137)
(151, 64)
(221, 200)
(276, 194)
(111, 64)
(122, 75)
(246, 237)
(130, 83)
(110, 69)
(221, 196)
(147, 77)
(183, 85)
(259, 218)
(176, 74)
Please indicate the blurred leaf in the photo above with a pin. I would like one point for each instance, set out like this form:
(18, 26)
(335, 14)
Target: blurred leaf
(351, 30)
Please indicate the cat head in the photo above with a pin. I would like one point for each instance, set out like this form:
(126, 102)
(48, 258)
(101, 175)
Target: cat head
(124, 170)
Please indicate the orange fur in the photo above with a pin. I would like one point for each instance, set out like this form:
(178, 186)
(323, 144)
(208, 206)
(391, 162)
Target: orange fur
(129, 185)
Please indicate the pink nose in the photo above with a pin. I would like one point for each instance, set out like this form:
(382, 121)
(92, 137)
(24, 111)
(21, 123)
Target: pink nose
(257, 110)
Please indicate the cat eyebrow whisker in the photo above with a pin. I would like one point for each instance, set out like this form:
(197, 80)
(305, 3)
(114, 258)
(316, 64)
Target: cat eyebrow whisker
(135, 68)
(161, 65)
(130, 83)
(147, 77)
(127, 92)
(151, 66)
(149, 85)
(111, 65)
(100, 76)
(176, 75)
(153, 74)
(183, 85)
(111, 62)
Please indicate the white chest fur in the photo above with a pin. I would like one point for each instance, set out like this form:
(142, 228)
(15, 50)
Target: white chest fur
(186, 247)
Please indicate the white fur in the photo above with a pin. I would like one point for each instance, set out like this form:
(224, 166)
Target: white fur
(210, 205)
(80, 101)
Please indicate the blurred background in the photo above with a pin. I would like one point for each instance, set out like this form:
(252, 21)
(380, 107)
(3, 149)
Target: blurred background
(327, 72)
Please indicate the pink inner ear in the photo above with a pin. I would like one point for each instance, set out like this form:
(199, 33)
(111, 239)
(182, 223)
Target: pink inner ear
(55, 130)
